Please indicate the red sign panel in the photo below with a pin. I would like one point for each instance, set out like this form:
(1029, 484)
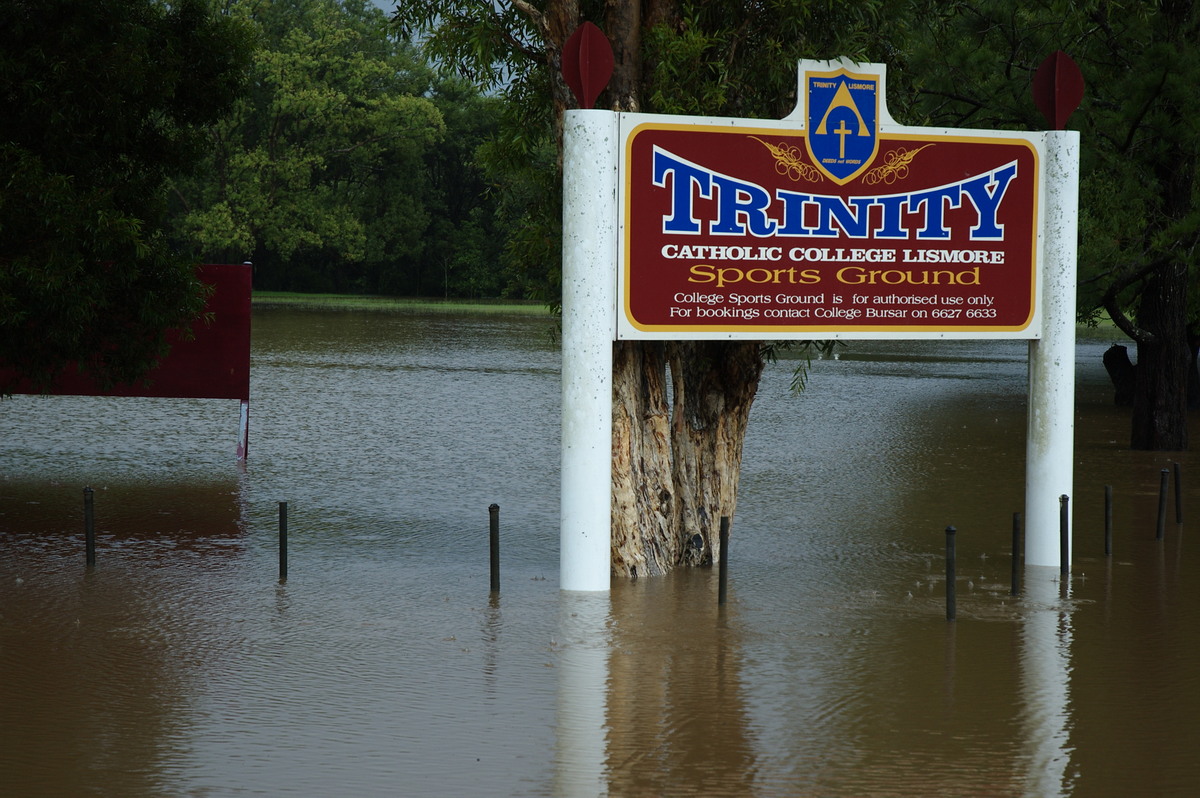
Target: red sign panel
(214, 364)
(733, 230)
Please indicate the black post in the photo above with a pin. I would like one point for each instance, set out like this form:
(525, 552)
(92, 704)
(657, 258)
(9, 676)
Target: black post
(89, 526)
(723, 567)
(1178, 493)
(1064, 535)
(494, 536)
(283, 542)
(1162, 505)
(951, 604)
(1108, 520)
(1016, 555)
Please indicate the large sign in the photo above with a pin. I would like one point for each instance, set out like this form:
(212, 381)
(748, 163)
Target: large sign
(834, 222)
(212, 363)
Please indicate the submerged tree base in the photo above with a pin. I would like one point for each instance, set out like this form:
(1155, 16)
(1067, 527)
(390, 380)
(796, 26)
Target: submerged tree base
(677, 454)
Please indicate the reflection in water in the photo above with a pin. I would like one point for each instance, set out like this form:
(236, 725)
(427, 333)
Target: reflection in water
(1045, 684)
(384, 666)
(583, 686)
(676, 712)
(95, 686)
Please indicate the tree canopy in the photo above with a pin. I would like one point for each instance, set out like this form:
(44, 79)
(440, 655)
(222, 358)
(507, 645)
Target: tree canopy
(958, 64)
(103, 102)
(349, 165)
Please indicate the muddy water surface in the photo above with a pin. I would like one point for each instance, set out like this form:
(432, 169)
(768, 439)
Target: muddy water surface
(180, 665)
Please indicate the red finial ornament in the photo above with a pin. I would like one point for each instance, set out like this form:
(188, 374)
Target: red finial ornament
(1057, 89)
(587, 63)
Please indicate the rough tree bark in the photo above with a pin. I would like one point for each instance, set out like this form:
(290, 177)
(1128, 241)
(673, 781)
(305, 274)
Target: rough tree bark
(677, 457)
(714, 383)
(1160, 392)
(645, 511)
(623, 23)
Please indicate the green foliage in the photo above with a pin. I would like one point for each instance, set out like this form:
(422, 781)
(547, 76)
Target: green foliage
(493, 45)
(1138, 121)
(738, 57)
(957, 63)
(103, 101)
(526, 184)
(464, 205)
(497, 48)
(348, 166)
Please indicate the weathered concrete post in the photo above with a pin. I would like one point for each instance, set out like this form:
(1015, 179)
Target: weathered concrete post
(590, 150)
(1050, 442)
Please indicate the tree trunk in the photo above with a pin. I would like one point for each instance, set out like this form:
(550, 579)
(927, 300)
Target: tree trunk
(1122, 373)
(1164, 357)
(676, 466)
(623, 21)
(714, 383)
(645, 509)
(1164, 363)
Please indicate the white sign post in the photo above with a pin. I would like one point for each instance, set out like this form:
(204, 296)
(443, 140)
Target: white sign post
(589, 328)
(1050, 439)
(835, 222)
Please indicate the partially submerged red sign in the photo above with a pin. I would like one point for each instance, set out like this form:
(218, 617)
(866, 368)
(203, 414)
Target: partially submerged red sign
(739, 229)
(214, 364)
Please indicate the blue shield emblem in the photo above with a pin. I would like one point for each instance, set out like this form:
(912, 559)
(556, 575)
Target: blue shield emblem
(843, 122)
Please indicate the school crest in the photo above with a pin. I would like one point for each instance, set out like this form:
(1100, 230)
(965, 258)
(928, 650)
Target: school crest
(842, 122)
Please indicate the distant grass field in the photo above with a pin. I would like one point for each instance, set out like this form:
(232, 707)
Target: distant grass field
(396, 304)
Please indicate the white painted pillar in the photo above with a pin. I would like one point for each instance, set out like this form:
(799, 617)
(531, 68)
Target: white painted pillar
(589, 288)
(1050, 440)
(243, 445)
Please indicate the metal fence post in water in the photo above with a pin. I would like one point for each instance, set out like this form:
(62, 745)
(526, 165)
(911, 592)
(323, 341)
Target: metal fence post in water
(1064, 535)
(494, 536)
(1108, 520)
(1016, 555)
(283, 541)
(1178, 493)
(89, 526)
(951, 603)
(1162, 505)
(723, 566)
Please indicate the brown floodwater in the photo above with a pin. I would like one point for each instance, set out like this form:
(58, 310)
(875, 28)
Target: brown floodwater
(181, 666)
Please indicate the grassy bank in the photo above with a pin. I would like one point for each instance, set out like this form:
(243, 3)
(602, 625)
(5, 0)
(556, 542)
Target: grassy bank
(1103, 330)
(396, 304)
